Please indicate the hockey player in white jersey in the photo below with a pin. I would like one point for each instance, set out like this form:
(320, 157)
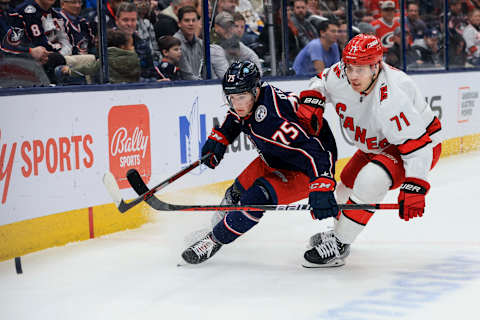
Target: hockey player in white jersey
(397, 135)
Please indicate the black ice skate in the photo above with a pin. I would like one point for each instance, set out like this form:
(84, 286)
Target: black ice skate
(327, 252)
(201, 250)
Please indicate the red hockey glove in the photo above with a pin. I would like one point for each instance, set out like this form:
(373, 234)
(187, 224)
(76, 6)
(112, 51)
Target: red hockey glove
(321, 198)
(412, 198)
(216, 145)
(310, 111)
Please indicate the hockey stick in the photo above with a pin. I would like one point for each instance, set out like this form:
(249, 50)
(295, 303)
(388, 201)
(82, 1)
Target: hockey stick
(114, 190)
(139, 185)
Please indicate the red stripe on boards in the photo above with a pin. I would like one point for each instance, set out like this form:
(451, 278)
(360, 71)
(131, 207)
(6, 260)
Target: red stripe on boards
(90, 222)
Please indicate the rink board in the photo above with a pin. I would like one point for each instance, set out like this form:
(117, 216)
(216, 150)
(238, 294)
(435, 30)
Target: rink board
(56, 147)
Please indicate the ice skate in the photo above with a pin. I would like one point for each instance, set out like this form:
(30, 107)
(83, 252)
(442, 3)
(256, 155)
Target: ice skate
(201, 250)
(327, 251)
(318, 238)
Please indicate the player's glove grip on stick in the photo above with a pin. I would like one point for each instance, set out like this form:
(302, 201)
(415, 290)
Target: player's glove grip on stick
(310, 111)
(411, 198)
(216, 145)
(321, 198)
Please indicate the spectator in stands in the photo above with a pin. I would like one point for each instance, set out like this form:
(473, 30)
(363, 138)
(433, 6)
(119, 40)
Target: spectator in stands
(319, 53)
(127, 18)
(232, 49)
(223, 31)
(110, 16)
(239, 27)
(471, 34)
(223, 26)
(414, 23)
(457, 20)
(332, 8)
(313, 8)
(250, 10)
(77, 28)
(429, 50)
(171, 49)
(145, 28)
(374, 7)
(191, 63)
(175, 5)
(306, 31)
(164, 25)
(457, 51)
(153, 11)
(34, 32)
(163, 4)
(394, 55)
(244, 33)
(227, 5)
(123, 62)
(386, 24)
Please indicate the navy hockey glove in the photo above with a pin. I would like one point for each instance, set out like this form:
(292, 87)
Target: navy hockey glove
(411, 198)
(321, 198)
(216, 145)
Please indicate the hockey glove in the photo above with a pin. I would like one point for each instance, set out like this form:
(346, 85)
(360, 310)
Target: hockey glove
(321, 198)
(310, 111)
(216, 145)
(411, 199)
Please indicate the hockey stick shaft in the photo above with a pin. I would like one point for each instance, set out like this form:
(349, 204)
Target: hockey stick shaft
(164, 206)
(123, 206)
(139, 186)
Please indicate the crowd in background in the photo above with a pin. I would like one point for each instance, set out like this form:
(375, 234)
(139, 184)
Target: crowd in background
(162, 40)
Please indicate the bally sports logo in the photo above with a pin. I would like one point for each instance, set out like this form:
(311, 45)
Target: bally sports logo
(129, 142)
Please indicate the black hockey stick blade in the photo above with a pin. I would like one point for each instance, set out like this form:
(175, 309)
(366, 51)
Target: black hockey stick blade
(137, 183)
(114, 190)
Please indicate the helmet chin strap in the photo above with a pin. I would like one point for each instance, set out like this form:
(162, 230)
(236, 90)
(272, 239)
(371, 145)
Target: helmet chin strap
(364, 92)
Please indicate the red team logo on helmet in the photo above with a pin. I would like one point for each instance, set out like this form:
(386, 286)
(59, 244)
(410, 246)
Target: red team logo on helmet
(363, 49)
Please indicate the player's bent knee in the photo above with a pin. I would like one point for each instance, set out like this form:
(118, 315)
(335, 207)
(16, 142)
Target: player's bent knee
(237, 223)
(256, 194)
(371, 185)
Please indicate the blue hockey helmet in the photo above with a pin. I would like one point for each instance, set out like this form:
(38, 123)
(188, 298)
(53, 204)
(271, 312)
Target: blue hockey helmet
(241, 76)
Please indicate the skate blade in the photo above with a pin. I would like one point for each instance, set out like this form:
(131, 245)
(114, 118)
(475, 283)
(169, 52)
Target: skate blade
(333, 264)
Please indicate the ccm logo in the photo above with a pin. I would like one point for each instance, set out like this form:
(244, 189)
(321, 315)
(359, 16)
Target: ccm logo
(411, 187)
(322, 185)
(316, 101)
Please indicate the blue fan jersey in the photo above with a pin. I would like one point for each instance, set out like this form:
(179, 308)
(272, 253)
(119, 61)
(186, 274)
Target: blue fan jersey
(27, 28)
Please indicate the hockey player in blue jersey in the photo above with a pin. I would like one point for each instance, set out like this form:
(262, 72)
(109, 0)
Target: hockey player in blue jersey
(296, 159)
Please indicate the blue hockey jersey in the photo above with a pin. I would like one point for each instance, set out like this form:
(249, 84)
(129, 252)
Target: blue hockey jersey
(273, 128)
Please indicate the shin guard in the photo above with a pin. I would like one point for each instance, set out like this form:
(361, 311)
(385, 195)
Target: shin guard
(236, 223)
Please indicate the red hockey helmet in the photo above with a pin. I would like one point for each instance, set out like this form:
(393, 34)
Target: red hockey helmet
(363, 49)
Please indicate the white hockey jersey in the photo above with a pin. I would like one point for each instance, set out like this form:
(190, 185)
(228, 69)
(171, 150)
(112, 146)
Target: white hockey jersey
(393, 113)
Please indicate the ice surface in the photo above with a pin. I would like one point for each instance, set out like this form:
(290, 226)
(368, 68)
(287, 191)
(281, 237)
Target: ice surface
(426, 268)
